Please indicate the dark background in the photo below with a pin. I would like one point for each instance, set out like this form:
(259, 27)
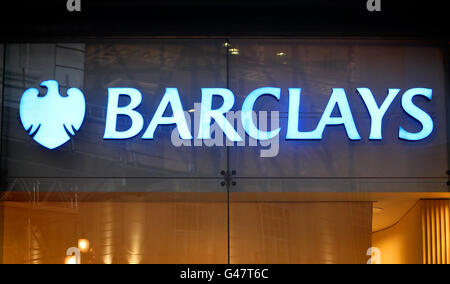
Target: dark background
(26, 20)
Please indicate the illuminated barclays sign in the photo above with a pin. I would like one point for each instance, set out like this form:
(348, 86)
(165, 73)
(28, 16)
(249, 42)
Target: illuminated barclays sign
(337, 100)
(52, 118)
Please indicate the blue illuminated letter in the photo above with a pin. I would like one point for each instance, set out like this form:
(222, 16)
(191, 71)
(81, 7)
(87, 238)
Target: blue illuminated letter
(294, 117)
(418, 114)
(207, 114)
(377, 113)
(170, 98)
(247, 114)
(339, 99)
(113, 111)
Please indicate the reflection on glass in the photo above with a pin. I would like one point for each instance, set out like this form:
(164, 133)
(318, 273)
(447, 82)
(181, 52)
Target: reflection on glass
(314, 202)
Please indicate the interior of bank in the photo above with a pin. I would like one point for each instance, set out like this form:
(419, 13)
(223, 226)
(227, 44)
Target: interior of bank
(252, 228)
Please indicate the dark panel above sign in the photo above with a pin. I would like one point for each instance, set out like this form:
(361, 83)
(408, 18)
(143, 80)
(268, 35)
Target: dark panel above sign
(48, 19)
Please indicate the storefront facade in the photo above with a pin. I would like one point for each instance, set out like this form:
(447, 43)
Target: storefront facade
(245, 132)
(373, 179)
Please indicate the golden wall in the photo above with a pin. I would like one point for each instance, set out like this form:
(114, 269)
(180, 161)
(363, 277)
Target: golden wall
(189, 232)
(420, 237)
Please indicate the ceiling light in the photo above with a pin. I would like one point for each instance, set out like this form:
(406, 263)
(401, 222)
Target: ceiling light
(83, 245)
(234, 51)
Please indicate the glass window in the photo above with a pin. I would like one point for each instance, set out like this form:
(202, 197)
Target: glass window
(169, 200)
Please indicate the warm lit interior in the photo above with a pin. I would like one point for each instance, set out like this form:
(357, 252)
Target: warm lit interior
(193, 228)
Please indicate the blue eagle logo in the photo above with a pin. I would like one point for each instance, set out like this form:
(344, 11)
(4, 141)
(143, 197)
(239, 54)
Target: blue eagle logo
(52, 119)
